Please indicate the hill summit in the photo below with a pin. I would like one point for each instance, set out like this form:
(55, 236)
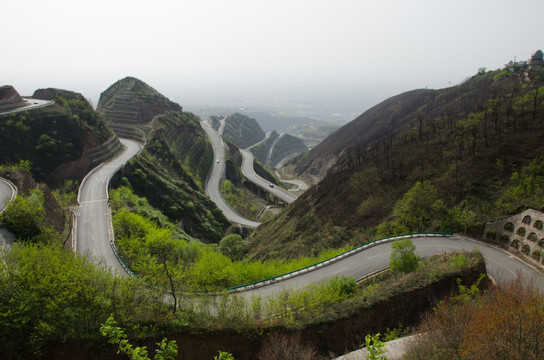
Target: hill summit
(131, 101)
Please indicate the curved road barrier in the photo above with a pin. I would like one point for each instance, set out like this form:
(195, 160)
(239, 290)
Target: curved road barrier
(359, 262)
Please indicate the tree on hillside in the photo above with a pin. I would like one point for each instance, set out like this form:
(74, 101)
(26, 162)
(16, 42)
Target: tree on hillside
(419, 208)
(403, 259)
(233, 246)
(172, 257)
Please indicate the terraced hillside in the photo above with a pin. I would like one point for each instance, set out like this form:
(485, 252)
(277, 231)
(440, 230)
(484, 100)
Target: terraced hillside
(172, 168)
(187, 140)
(243, 131)
(130, 101)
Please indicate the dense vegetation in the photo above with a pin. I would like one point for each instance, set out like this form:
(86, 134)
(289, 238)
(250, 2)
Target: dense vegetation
(49, 296)
(156, 250)
(475, 147)
(25, 218)
(53, 135)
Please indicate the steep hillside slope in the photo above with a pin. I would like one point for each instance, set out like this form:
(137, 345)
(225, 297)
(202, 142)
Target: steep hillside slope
(188, 142)
(262, 151)
(286, 146)
(391, 114)
(243, 131)
(470, 142)
(278, 147)
(57, 139)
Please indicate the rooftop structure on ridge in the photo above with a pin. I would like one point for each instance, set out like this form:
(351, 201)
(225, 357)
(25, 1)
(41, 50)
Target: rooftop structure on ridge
(536, 60)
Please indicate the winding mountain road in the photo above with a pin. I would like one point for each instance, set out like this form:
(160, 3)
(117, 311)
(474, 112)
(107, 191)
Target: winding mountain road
(212, 182)
(501, 265)
(93, 236)
(249, 172)
(93, 221)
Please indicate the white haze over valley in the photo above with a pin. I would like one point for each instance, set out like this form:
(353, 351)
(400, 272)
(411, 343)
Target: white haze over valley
(326, 60)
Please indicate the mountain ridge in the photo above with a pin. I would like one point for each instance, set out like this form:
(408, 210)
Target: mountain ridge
(467, 141)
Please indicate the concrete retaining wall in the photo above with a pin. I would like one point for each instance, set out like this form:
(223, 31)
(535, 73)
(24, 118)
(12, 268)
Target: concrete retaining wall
(105, 151)
(523, 232)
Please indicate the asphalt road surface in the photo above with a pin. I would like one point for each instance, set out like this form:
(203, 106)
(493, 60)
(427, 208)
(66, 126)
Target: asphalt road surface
(93, 223)
(31, 104)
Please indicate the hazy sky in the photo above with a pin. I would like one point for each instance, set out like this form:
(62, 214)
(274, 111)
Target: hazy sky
(209, 51)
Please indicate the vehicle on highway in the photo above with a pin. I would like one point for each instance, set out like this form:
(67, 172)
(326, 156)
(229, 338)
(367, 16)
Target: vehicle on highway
(271, 185)
(217, 161)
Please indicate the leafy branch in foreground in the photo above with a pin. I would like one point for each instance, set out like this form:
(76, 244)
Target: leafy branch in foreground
(375, 348)
(168, 350)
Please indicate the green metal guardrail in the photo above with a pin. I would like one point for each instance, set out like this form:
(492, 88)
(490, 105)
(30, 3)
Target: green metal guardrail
(333, 259)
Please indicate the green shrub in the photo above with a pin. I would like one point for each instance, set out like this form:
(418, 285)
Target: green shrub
(459, 261)
(233, 246)
(344, 286)
(375, 348)
(403, 258)
(25, 216)
(491, 234)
